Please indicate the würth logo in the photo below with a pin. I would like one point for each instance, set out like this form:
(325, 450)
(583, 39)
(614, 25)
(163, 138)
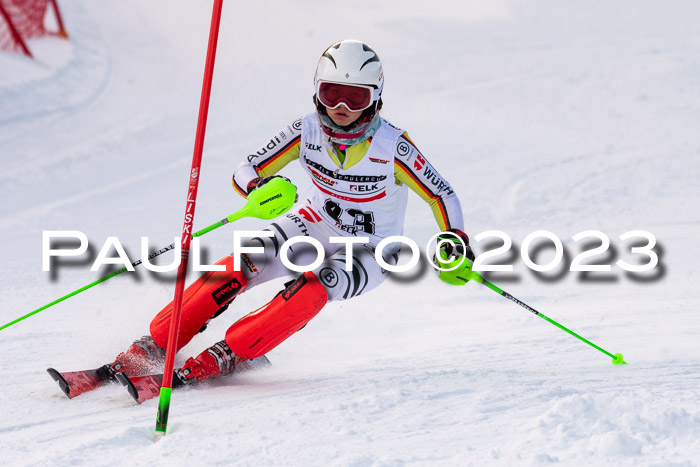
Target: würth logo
(226, 292)
(309, 215)
(419, 162)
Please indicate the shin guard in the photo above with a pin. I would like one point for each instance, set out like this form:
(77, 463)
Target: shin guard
(200, 302)
(264, 329)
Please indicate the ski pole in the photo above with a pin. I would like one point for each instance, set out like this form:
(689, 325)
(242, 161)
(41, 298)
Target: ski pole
(617, 358)
(268, 202)
(82, 289)
(171, 347)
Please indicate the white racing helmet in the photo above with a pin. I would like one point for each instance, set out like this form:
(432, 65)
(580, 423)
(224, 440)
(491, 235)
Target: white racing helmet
(349, 73)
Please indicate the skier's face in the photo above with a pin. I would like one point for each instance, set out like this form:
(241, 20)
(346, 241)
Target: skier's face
(342, 116)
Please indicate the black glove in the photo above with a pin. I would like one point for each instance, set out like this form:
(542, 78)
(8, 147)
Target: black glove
(455, 247)
(260, 181)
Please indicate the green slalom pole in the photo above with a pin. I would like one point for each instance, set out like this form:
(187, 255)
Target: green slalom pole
(82, 289)
(617, 358)
(267, 202)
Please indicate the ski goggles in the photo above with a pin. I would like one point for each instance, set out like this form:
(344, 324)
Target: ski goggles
(356, 97)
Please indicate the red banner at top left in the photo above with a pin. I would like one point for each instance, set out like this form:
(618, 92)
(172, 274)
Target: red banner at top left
(21, 20)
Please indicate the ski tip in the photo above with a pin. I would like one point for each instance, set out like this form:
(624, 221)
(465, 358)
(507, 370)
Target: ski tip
(62, 383)
(618, 359)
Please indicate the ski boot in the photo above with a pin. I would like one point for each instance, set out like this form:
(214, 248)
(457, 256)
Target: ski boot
(216, 361)
(143, 357)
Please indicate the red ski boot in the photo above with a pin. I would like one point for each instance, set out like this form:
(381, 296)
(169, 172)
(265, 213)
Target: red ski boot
(217, 360)
(143, 357)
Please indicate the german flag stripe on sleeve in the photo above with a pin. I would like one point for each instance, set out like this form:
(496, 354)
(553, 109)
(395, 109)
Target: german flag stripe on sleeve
(417, 185)
(405, 135)
(285, 155)
(239, 190)
(243, 189)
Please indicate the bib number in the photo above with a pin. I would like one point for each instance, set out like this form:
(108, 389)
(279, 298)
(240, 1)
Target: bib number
(350, 220)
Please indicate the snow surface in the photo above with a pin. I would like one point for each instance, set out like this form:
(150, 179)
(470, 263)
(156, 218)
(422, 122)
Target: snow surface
(564, 116)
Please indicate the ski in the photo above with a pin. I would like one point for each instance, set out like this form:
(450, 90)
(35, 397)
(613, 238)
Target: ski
(74, 383)
(143, 388)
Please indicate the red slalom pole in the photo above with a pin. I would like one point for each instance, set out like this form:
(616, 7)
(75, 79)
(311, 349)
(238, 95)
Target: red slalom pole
(166, 388)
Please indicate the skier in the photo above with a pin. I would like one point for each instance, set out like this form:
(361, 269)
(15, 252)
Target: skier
(360, 166)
